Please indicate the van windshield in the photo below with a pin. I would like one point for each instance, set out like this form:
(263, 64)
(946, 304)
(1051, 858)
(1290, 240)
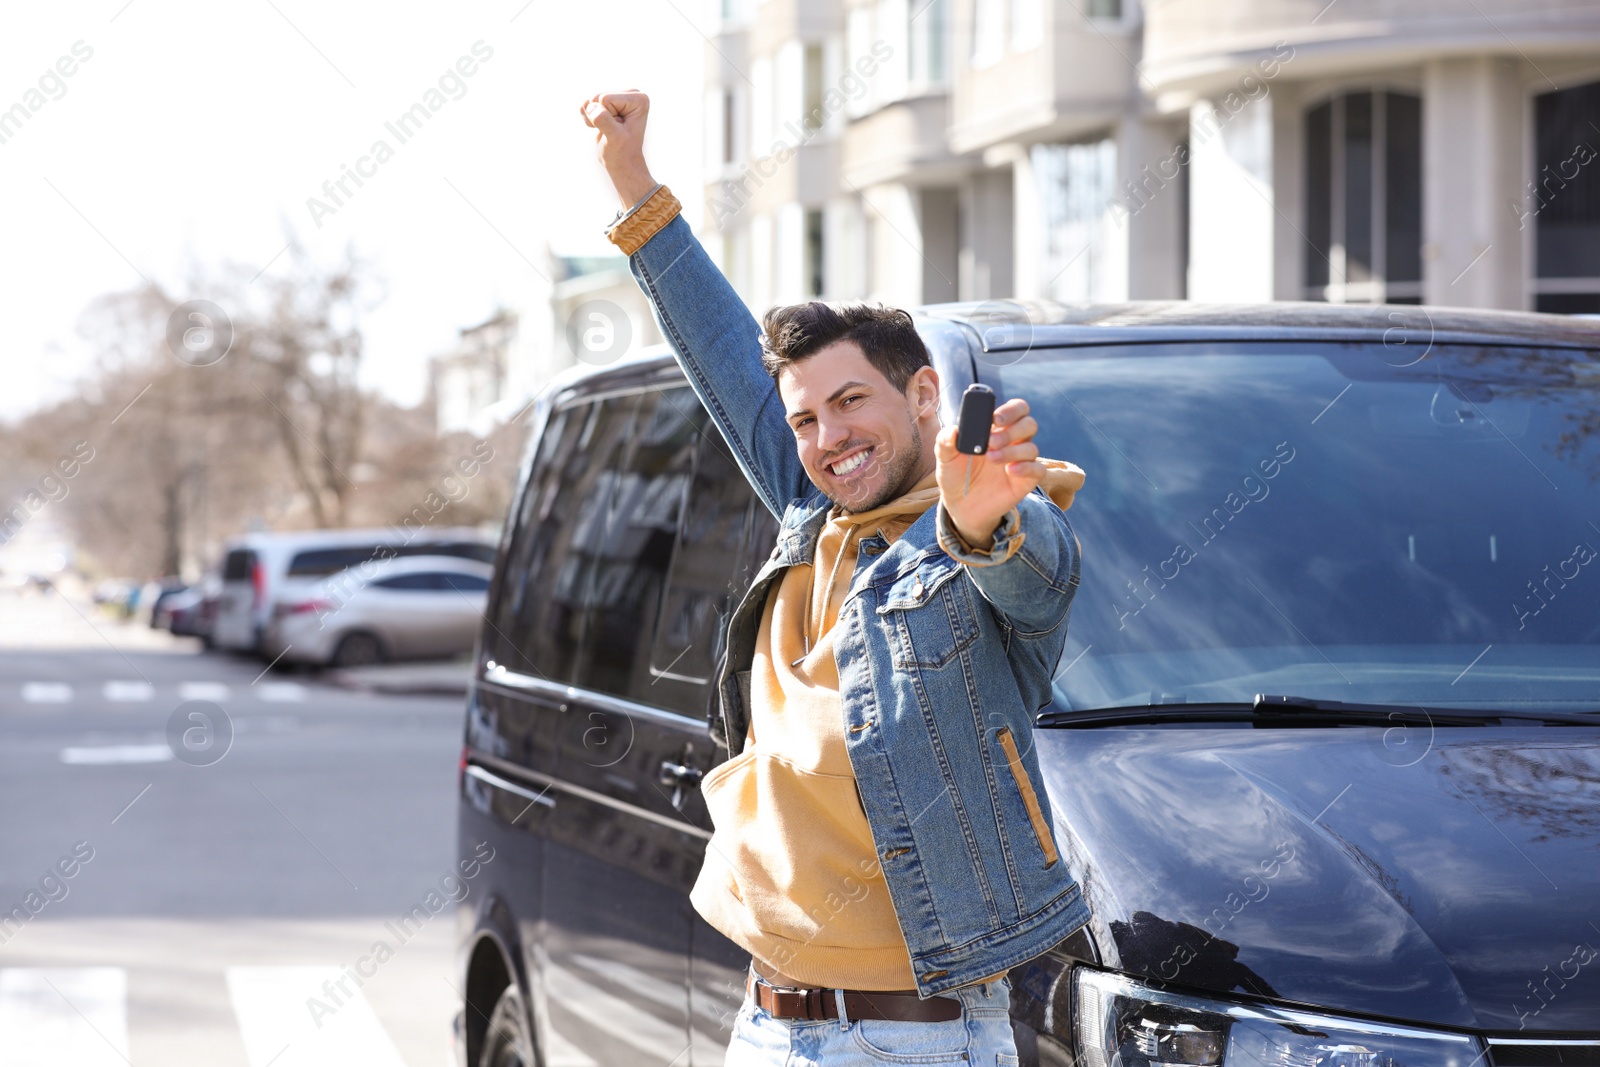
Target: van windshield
(1340, 521)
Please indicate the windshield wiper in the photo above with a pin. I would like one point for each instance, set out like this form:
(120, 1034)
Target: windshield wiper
(1273, 710)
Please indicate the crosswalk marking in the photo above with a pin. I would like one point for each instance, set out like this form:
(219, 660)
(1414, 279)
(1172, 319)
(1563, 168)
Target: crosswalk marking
(73, 1015)
(274, 1007)
(128, 692)
(116, 754)
(131, 691)
(79, 1016)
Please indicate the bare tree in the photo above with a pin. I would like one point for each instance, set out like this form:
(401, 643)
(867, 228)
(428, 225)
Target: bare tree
(276, 434)
(308, 346)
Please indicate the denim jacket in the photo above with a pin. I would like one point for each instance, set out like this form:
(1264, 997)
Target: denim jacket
(944, 657)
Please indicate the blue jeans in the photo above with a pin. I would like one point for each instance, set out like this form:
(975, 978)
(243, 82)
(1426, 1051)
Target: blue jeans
(981, 1037)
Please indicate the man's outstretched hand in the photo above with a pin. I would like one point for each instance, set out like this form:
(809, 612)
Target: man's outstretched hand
(618, 120)
(1009, 471)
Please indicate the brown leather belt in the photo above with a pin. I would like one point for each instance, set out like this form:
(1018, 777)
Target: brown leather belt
(804, 1002)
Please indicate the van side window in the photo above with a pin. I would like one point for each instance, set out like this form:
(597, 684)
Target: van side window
(238, 565)
(630, 539)
(708, 572)
(534, 631)
(321, 562)
(411, 583)
(482, 551)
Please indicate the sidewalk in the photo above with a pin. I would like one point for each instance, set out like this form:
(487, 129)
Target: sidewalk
(57, 620)
(431, 678)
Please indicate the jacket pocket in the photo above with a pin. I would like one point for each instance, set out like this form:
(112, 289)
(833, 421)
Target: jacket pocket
(930, 613)
(1030, 799)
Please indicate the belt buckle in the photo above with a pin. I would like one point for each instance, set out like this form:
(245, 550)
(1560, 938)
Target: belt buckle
(795, 1002)
(791, 1002)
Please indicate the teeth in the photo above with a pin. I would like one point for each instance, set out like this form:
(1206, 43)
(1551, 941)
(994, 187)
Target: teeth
(852, 463)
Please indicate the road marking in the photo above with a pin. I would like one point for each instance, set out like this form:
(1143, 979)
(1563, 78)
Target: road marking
(281, 692)
(46, 693)
(299, 1017)
(75, 1015)
(121, 692)
(202, 691)
(116, 754)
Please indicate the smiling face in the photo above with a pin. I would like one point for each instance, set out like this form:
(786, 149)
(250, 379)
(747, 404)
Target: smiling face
(862, 441)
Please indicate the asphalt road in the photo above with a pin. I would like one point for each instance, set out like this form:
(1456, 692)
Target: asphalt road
(216, 883)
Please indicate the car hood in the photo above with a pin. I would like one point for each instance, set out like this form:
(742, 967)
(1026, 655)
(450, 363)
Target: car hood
(1447, 876)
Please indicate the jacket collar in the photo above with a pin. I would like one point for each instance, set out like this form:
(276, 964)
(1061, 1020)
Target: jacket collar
(803, 521)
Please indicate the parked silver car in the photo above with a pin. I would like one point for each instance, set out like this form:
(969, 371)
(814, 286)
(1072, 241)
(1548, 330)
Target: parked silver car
(262, 570)
(413, 607)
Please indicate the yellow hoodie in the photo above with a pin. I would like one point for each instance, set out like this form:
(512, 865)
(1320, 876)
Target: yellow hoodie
(791, 872)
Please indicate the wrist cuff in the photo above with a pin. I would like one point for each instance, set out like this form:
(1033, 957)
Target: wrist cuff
(642, 222)
(1008, 537)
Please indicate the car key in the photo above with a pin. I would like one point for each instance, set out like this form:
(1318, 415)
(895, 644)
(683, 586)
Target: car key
(975, 424)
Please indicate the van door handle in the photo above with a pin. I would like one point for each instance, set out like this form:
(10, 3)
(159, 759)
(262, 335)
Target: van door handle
(680, 777)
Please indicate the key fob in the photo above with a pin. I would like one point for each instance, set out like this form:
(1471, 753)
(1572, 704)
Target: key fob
(977, 420)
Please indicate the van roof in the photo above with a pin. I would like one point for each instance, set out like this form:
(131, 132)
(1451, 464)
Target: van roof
(379, 535)
(1012, 324)
(1052, 322)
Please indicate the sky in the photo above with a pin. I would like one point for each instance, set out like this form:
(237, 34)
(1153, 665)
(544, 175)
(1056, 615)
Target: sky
(190, 134)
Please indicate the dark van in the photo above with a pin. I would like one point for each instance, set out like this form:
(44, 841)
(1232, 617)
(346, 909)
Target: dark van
(1324, 742)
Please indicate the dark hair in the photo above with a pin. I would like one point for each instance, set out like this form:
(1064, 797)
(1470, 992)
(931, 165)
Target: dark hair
(886, 335)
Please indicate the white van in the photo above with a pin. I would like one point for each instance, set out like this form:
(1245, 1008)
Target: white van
(259, 569)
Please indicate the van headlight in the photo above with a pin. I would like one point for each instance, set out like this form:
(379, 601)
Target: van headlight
(1124, 1023)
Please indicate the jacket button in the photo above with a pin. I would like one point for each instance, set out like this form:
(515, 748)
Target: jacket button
(916, 589)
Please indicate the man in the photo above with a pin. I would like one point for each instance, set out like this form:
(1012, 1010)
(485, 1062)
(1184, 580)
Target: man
(881, 834)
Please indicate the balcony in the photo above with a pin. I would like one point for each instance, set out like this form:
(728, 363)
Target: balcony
(1076, 80)
(901, 142)
(1196, 48)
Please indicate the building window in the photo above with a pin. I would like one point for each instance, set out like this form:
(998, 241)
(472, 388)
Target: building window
(930, 42)
(762, 106)
(735, 263)
(814, 254)
(1027, 24)
(847, 248)
(1562, 201)
(1077, 186)
(811, 91)
(1364, 199)
(1104, 9)
(988, 27)
(891, 24)
(858, 45)
(1184, 207)
(729, 129)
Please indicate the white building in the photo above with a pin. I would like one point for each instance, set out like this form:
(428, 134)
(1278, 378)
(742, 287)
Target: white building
(586, 308)
(914, 151)
(470, 380)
